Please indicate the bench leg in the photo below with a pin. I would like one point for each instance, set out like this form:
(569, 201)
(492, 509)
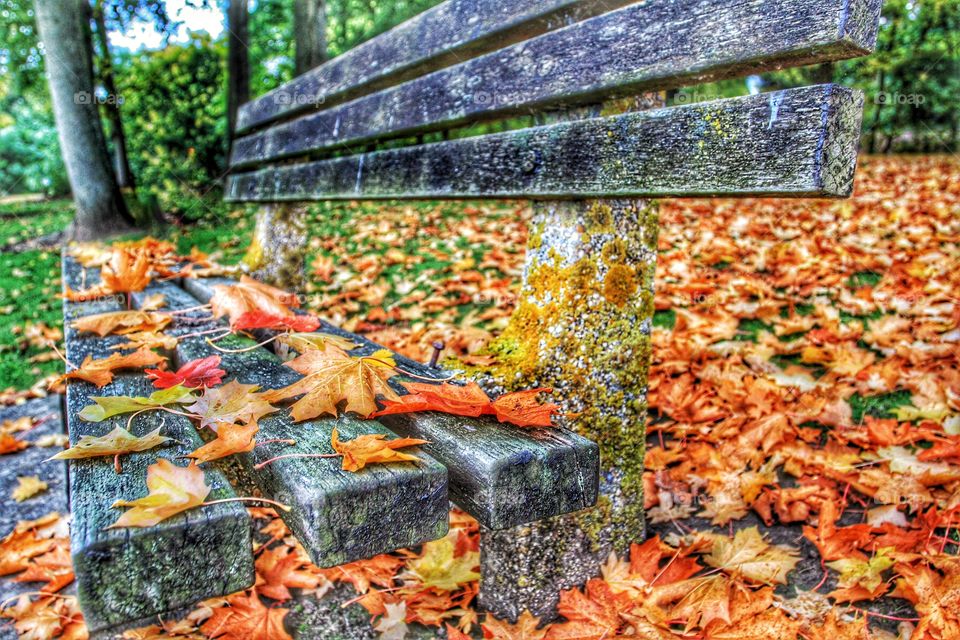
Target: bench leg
(279, 246)
(582, 326)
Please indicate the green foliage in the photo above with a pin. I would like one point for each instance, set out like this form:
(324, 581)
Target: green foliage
(173, 110)
(29, 150)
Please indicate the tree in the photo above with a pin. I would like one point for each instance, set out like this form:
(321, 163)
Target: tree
(310, 34)
(112, 103)
(64, 27)
(238, 60)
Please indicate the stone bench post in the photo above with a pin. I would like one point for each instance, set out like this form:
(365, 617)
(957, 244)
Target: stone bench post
(581, 327)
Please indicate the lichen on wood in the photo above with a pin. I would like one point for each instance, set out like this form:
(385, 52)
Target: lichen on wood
(582, 327)
(277, 251)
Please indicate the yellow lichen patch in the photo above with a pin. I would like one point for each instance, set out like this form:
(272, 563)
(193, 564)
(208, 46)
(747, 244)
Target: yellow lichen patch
(620, 285)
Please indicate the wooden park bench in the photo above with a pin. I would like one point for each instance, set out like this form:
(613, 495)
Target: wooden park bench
(392, 119)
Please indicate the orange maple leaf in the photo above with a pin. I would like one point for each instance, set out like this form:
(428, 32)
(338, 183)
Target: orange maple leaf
(378, 570)
(54, 568)
(371, 448)
(331, 377)
(282, 568)
(19, 547)
(246, 618)
(122, 322)
(231, 438)
(100, 372)
(249, 296)
(594, 612)
(526, 628)
(127, 271)
(10, 444)
(520, 408)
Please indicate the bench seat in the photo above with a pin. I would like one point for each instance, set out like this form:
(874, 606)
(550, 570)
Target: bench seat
(500, 474)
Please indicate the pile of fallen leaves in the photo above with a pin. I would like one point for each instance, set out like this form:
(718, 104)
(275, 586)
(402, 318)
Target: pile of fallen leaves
(803, 475)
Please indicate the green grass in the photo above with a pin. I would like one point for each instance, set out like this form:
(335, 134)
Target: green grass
(864, 279)
(880, 406)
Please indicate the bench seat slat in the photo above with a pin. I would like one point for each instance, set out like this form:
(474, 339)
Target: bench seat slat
(338, 516)
(799, 143)
(444, 35)
(660, 44)
(500, 474)
(134, 573)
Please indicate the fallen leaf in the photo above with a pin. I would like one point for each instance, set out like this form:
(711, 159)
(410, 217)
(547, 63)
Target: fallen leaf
(172, 490)
(250, 296)
(469, 400)
(10, 444)
(105, 407)
(246, 618)
(100, 372)
(55, 568)
(121, 322)
(18, 547)
(749, 555)
(331, 378)
(372, 448)
(281, 569)
(305, 341)
(232, 402)
(231, 438)
(393, 625)
(27, 487)
(262, 320)
(526, 628)
(439, 567)
(116, 443)
(204, 372)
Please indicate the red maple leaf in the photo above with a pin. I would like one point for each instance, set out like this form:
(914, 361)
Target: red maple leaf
(204, 372)
(264, 320)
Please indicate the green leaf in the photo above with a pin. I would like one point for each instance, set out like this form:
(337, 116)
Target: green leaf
(109, 406)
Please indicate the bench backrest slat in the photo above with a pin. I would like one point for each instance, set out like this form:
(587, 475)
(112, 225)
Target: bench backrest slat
(801, 142)
(657, 44)
(446, 34)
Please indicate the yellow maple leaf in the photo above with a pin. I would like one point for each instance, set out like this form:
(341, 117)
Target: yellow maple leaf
(121, 322)
(116, 443)
(440, 568)
(752, 557)
(27, 487)
(231, 402)
(172, 490)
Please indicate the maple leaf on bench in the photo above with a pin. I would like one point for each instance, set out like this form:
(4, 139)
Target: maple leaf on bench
(231, 438)
(521, 408)
(100, 372)
(371, 448)
(331, 377)
(126, 271)
(122, 322)
(172, 490)
(248, 296)
(205, 372)
(232, 402)
(116, 443)
(261, 320)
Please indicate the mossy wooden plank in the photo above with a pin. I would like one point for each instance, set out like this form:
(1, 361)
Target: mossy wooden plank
(500, 474)
(646, 46)
(798, 142)
(338, 516)
(446, 34)
(130, 574)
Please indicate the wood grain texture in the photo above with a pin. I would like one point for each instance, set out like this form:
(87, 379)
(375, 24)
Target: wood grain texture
(500, 474)
(129, 574)
(798, 143)
(659, 44)
(338, 516)
(447, 34)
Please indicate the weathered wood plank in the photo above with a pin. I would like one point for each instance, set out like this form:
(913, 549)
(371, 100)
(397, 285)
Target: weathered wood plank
(661, 44)
(129, 574)
(500, 474)
(338, 516)
(799, 143)
(446, 34)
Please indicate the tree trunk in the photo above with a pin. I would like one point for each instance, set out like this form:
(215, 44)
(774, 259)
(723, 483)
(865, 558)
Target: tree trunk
(238, 61)
(121, 162)
(310, 34)
(64, 27)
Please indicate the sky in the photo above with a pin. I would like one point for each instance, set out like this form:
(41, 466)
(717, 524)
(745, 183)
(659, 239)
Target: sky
(142, 34)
